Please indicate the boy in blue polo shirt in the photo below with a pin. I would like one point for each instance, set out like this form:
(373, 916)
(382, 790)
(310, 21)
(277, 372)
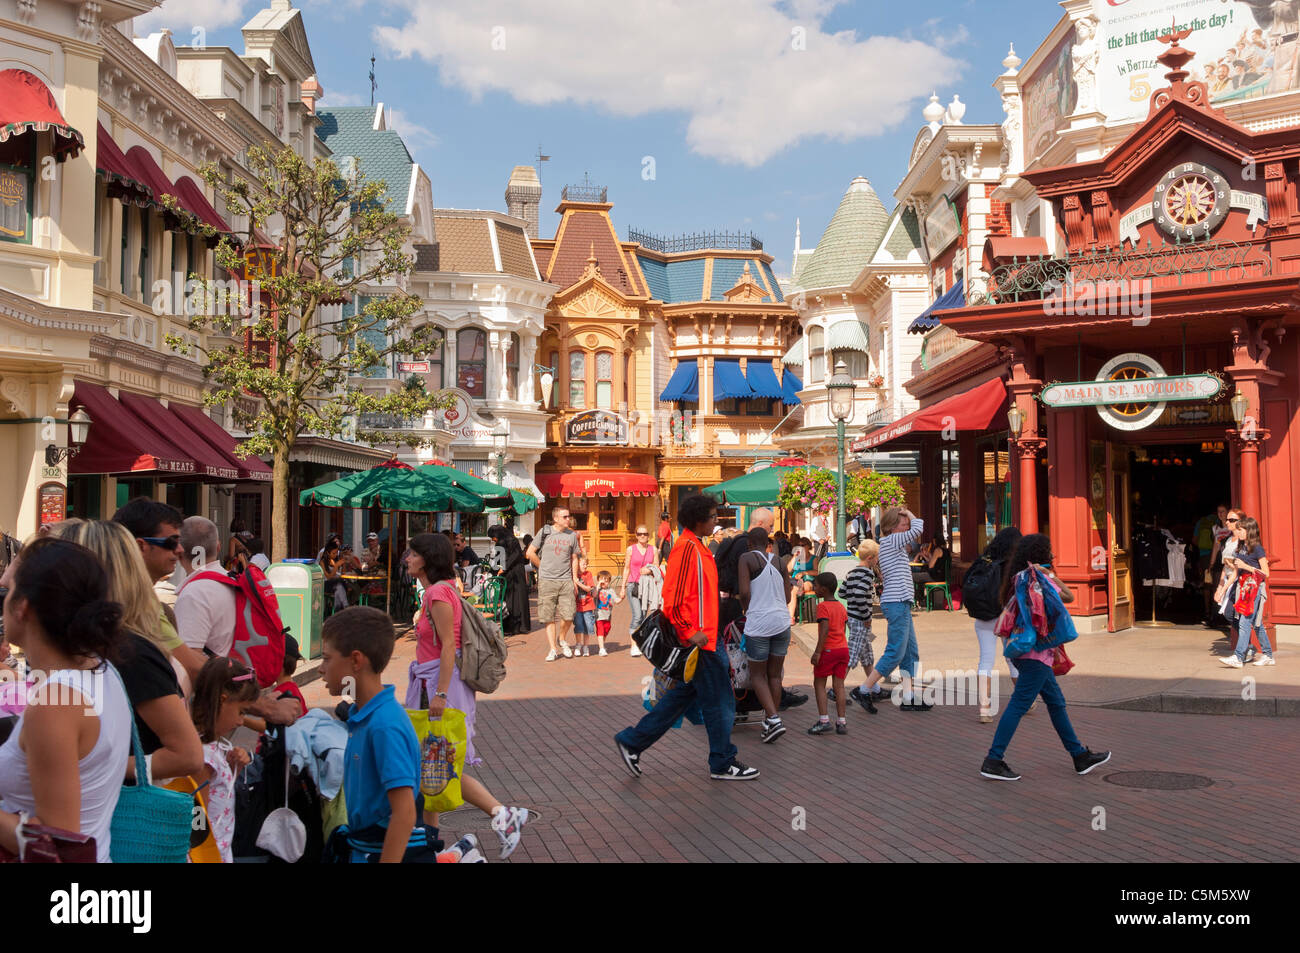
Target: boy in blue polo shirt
(381, 773)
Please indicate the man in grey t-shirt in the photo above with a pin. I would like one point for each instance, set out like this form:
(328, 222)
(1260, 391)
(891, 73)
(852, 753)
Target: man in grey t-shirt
(555, 553)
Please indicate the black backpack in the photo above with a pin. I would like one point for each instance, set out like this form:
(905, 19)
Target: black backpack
(980, 589)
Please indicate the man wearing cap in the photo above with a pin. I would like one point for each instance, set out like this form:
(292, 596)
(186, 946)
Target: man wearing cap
(370, 555)
(288, 688)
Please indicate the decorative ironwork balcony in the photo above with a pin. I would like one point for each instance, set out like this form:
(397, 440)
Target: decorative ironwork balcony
(697, 241)
(584, 193)
(1164, 265)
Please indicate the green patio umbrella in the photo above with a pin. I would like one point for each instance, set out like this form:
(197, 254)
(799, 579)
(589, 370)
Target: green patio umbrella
(494, 494)
(759, 488)
(394, 486)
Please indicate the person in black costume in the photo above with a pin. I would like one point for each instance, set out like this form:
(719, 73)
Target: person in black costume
(518, 620)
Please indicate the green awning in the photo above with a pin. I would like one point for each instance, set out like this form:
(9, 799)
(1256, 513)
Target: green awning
(394, 488)
(493, 494)
(759, 488)
(851, 335)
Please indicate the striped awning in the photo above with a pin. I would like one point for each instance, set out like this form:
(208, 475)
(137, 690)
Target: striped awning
(26, 105)
(954, 297)
(795, 354)
(851, 335)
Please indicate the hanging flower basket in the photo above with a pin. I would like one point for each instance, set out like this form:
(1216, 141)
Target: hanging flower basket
(868, 488)
(807, 489)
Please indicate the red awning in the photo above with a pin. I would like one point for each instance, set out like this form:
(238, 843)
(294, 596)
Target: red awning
(120, 442)
(597, 483)
(148, 170)
(249, 468)
(27, 105)
(193, 201)
(976, 409)
(210, 463)
(120, 176)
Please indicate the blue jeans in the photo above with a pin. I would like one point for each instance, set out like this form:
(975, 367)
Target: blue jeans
(634, 604)
(1244, 625)
(711, 687)
(900, 644)
(1035, 679)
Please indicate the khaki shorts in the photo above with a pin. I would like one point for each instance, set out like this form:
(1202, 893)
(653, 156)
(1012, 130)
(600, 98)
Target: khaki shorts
(555, 598)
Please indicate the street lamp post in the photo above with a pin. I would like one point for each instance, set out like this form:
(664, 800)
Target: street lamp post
(840, 388)
(500, 434)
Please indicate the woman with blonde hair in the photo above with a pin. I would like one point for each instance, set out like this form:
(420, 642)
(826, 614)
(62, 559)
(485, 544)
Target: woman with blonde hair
(171, 745)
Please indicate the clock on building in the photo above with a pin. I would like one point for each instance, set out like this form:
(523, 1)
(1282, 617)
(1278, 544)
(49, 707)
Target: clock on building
(1191, 201)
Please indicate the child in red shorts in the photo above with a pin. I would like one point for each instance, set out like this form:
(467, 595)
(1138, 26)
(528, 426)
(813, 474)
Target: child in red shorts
(605, 600)
(831, 657)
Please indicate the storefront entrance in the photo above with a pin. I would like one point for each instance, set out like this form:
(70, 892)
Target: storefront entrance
(1156, 496)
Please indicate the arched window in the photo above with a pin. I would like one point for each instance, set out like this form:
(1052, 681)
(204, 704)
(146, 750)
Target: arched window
(605, 380)
(853, 359)
(512, 367)
(471, 361)
(578, 379)
(437, 357)
(816, 355)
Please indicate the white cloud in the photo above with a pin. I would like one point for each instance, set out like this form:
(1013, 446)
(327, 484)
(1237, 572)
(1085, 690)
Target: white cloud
(732, 67)
(181, 16)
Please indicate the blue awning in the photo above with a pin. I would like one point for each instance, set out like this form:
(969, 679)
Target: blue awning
(684, 384)
(790, 387)
(954, 297)
(762, 379)
(728, 382)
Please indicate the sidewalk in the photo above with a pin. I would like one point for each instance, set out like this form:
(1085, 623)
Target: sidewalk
(1164, 670)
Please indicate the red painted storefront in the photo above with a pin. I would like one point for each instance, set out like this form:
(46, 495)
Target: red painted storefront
(1222, 296)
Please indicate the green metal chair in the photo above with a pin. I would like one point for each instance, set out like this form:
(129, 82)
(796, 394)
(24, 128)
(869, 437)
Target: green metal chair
(493, 603)
(932, 587)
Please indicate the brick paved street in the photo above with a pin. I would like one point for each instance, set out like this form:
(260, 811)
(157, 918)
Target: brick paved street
(901, 786)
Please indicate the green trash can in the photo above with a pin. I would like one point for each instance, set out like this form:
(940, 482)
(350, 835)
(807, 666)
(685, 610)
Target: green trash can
(300, 589)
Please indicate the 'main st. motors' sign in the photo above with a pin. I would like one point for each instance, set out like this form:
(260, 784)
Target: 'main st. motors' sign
(1134, 391)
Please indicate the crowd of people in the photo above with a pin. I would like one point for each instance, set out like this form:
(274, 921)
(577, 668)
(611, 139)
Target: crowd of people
(134, 631)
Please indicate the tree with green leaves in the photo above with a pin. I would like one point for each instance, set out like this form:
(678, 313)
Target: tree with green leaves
(282, 360)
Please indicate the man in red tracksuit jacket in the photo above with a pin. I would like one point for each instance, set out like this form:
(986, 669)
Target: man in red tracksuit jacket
(690, 596)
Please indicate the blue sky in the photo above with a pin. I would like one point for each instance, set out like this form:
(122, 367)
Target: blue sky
(748, 113)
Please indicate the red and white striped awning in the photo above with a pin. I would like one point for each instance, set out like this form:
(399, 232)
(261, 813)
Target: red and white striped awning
(597, 483)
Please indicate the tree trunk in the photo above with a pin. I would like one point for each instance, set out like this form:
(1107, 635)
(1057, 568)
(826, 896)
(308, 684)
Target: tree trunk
(280, 503)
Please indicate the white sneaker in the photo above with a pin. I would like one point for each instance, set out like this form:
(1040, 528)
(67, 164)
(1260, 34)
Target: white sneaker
(635, 652)
(586, 651)
(473, 857)
(1231, 661)
(508, 823)
(564, 647)
(602, 651)
(551, 656)
(1264, 660)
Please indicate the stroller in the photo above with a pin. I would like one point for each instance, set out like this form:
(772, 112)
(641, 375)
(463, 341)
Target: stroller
(261, 790)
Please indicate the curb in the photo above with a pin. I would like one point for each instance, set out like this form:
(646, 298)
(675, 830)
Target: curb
(1168, 703)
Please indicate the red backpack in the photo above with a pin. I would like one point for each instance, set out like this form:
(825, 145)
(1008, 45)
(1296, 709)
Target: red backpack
(259, 631)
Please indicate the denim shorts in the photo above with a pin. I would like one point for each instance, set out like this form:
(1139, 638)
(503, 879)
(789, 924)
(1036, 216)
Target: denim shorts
(584, 623)
(758, 649)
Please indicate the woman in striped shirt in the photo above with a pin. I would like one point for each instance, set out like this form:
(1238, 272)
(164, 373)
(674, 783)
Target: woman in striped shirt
(899, 529)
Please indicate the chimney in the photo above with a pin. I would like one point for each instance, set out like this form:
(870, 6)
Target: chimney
(523, 196)
(311, 92)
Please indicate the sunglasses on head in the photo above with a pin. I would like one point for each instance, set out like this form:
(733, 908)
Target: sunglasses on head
(162, 542)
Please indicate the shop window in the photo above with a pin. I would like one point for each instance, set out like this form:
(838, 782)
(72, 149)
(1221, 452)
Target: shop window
(436, 355)
(725, 408)
(577, 379)
(759, 407)
(17, 185)
(854, 360)
(512, 367)
(608, 513)
(816, 354)
(471, 361)
(604, 380)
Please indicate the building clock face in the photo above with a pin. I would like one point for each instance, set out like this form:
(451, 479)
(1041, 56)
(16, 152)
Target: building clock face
(1191, 201)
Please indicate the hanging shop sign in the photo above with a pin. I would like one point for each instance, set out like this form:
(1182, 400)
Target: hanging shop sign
(600, 427)
(941, 225)
(1131, 390)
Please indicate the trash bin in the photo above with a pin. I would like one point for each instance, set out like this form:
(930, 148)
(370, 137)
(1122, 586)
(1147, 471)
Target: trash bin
(300, 589)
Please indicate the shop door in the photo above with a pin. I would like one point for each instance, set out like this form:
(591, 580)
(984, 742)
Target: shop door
(1118, 531)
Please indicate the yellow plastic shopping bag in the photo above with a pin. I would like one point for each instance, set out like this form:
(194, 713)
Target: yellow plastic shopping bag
(442, 757)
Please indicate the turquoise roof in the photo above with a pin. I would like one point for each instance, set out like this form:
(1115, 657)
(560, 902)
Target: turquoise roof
(727, 273)
(772, 282)
(656, 277)
(380, 154)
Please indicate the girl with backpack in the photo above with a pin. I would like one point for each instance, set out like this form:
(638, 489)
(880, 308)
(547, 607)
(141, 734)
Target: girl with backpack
(436, 682)
(1249, 593)
(981, 590)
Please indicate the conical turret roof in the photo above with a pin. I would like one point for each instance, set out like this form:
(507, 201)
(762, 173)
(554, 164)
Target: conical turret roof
(849, 241)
